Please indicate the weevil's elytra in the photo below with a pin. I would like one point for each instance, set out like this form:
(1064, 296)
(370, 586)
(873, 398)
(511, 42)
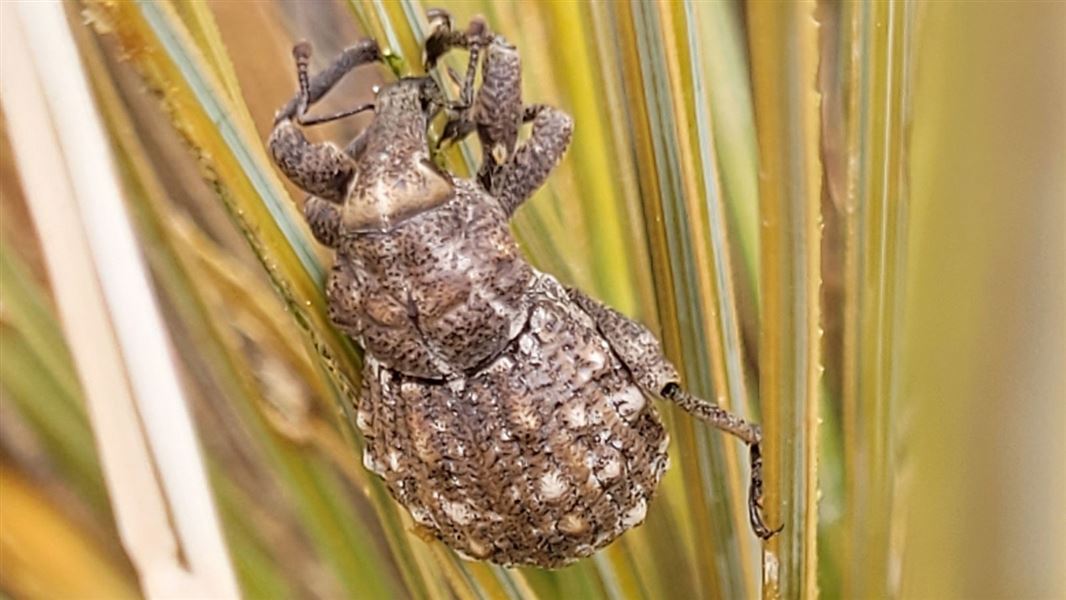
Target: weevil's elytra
(545, 454)
(506, 412)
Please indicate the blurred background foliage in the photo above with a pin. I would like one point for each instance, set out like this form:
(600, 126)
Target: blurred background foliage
(845, 220)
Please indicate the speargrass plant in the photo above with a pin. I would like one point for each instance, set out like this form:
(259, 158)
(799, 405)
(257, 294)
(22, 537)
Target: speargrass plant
(845, 221)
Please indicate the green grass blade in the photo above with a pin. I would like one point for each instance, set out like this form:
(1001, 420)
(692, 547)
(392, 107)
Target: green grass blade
(723, 63)
(784, 48)
(40, 381)
(878, 42)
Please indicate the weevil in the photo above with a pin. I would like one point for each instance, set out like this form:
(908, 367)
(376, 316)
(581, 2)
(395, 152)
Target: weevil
(507, 412)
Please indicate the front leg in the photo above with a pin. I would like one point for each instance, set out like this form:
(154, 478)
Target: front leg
(497, 114)
(510, 174)
(641, 353)
(313, 89)
(498, 108)
(513, 181)
(322, 170)
(442, 39)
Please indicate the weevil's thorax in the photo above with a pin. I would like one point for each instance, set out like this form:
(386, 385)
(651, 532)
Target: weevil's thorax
(428, 279)
(439, 293)
(395, 177)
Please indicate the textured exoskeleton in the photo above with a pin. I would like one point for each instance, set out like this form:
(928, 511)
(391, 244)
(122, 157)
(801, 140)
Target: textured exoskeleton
(505, 411)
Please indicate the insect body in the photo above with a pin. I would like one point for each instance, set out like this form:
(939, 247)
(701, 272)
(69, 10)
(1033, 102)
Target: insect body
(504, 410)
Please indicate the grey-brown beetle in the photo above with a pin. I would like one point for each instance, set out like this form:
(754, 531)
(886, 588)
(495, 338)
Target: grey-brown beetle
(504, 410)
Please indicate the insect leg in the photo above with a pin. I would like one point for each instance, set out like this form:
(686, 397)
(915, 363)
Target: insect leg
(460, 124)
(515, 180)
(498, 109)
(642, 355)
(476, 34)
(498, 113)
(325, 220)
(322, 170)
(750, 433)
(443, 38)
(312, 89)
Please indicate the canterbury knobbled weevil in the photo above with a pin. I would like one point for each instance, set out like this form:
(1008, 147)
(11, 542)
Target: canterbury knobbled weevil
(503, 409)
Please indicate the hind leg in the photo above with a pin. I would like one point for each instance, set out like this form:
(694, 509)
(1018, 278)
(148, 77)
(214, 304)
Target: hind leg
(643, 356)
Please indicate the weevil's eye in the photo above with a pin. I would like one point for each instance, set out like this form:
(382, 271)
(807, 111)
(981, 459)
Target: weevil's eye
(376, 89)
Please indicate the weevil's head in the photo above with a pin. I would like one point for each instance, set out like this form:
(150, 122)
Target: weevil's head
(396, 179)
(408, 97)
